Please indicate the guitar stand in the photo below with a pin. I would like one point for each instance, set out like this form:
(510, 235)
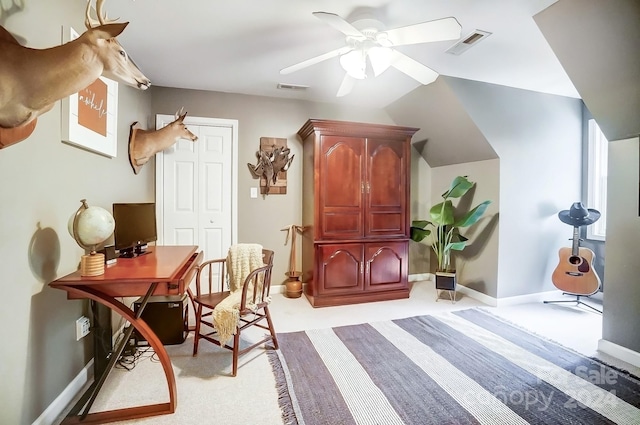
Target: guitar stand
(577, 301)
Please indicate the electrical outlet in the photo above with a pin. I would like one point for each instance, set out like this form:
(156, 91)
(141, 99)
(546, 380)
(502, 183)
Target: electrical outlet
(83, 326)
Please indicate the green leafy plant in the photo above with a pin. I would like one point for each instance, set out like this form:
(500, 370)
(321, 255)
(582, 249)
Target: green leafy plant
(444, 227)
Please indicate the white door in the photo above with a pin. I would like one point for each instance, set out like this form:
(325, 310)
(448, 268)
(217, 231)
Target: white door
(196, 187)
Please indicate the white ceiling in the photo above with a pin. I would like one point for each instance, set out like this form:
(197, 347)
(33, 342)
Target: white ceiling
(240, 46)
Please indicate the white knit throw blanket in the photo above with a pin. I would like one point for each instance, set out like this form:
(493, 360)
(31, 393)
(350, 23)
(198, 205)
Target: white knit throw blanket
(241, 260)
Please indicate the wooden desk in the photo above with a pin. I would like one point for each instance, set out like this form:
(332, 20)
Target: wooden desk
(164, 270)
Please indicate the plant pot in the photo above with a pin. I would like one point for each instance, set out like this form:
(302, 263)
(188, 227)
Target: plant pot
(293, 285)
(446, 281)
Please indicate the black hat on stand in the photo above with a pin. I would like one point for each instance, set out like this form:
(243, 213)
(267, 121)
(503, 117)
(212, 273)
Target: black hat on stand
(578, 215)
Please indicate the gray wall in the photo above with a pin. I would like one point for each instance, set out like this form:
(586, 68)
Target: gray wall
(538, 139)
(447, 134)
(476, 266)
(43, 181)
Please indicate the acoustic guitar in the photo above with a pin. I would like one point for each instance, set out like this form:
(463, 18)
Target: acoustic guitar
(574, 273)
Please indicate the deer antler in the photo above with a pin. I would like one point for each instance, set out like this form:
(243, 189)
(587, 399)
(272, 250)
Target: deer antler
(89, 22)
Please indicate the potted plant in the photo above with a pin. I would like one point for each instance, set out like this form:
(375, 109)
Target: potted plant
(444, 229)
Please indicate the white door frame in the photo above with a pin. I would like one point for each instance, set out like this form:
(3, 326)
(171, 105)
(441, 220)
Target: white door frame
(159, 161)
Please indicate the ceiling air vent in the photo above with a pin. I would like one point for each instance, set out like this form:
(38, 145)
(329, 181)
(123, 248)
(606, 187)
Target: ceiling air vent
(467, 42)
(284, 86)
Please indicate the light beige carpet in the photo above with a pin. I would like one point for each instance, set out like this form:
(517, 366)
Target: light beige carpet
(207, 394)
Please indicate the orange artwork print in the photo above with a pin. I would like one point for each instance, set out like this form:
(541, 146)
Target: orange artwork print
(92, 107)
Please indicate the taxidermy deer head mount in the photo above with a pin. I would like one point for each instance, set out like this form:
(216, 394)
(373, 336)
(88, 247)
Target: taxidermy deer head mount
(32, 80)
(143, 144)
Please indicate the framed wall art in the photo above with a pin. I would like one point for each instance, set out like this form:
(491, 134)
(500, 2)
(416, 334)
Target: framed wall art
(90, 117)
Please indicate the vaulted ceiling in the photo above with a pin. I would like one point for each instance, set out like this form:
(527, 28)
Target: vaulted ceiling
(240, 46)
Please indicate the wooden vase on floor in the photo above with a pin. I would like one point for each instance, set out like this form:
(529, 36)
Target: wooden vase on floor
(293, 285)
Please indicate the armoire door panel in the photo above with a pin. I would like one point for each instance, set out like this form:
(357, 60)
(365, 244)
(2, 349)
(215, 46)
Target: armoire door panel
(385, 175)
(386, 266)
(382, 223)
(341, 163)
(342, 225)
(387, 188)
(340, 268)
(341, 186)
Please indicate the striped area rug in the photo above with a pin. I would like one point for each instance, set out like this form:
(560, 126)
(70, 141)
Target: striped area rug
(464, 367)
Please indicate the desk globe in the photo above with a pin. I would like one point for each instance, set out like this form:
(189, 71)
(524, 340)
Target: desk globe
(91, 226)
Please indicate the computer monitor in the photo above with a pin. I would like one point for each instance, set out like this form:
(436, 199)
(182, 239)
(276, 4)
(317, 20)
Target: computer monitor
(135, 227)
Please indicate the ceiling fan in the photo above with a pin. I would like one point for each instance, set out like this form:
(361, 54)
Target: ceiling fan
(370, 49)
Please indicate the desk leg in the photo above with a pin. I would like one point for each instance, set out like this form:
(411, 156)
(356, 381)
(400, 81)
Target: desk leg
(102, 335)
(152, 339)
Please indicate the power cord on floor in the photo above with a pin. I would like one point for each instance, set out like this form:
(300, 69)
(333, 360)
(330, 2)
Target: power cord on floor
(133, 354)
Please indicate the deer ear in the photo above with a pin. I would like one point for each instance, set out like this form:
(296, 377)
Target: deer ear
(107, 31)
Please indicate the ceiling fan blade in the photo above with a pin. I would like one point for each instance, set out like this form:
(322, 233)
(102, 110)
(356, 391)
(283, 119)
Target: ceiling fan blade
(338, 23)
(315, 60)
(413, 68)
(347, 85)
(437, 30)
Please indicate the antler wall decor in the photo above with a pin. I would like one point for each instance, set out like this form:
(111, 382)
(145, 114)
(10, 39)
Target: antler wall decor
(274, 159)
(33, 80)
(143, 144)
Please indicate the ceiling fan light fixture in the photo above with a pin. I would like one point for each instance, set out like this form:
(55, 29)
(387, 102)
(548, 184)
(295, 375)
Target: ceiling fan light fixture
(380, 58)
(355, 64)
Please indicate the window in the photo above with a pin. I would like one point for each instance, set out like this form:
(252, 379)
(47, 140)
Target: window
(597, 180)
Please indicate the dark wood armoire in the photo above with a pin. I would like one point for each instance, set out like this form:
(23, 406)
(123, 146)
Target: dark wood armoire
(355, 211)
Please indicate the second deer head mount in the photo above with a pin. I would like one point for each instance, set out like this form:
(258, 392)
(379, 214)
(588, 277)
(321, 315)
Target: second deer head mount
(144, 144)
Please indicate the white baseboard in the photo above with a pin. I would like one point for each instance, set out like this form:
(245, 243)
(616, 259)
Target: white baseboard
(471, 293)
(619, 352)
(528, 298)
(420, 276)
(55, 409)
(507, 301)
